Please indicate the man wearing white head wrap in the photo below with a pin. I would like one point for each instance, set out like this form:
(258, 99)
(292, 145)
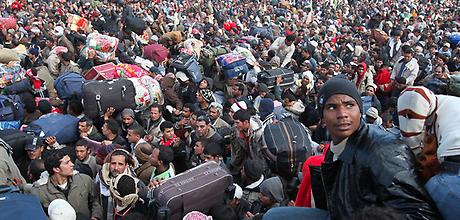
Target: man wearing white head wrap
(421, 111)
(372, 116)
(60, 209)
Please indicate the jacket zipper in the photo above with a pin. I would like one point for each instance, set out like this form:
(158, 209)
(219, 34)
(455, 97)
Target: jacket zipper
(324, 187)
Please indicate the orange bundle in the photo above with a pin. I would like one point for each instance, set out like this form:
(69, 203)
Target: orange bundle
(77, 23)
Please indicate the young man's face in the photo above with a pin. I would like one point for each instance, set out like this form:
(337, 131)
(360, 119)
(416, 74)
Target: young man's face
(127, 120)
(199, 148)
(241, 125)
(208, 157)
(265, 200)
(117, 164)
(83, 127)
(34, 154)
(168, 133)
(213, 113)
(155, 114)
(342, 116)
(81, 152)
(65, 168)
(132, 136)
(407, 57)
(202, 128)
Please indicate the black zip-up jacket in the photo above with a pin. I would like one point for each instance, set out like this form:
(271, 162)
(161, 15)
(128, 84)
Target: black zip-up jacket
(375, 168)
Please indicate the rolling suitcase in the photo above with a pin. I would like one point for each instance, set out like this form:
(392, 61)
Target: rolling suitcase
(197, 189)
(269, 76)
(100, 95)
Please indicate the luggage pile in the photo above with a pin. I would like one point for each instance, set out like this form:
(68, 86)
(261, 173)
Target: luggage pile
(104, 45)
(10, 73)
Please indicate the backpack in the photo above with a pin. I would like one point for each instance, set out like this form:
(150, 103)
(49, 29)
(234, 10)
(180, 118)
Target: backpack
(11, 108)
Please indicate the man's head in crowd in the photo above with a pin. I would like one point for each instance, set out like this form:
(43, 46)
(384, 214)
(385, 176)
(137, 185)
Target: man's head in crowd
(127, 117)
(212, 152)
(407, 52)
(252, 171)
(161, 157)
(203, 123)
(75, 107)
(204, 95)
(110, 128)
(35, 148)
(215, 111)
(289, 39)
(167, 128)
(85, 124)
(155, 112)
(35, 169)
(242, 120)
(143, 152)
(58, 163)
(119, 161)
(237, 90)
(340, 108)
(188, 110)
(199, 147)
(82, 151)
(135, 133)
(370, 90)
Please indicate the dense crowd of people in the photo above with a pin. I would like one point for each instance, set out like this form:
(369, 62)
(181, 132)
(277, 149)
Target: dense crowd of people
(373, 85)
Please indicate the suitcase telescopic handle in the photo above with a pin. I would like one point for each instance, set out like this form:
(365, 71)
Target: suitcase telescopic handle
(98, 102)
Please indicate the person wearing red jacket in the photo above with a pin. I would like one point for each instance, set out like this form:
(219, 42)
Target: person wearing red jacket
(383, 82)
(304, 195)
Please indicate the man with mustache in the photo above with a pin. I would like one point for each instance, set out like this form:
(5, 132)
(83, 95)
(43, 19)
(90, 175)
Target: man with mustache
(363, 166)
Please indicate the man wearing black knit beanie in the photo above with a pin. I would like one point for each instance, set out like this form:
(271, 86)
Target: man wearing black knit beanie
(363, 166)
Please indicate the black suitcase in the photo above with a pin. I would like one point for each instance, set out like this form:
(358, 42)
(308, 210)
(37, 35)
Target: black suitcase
(17, 140)
(135, 24)
(197, 189)
(289, 142)
(100, 95)
(269, 76)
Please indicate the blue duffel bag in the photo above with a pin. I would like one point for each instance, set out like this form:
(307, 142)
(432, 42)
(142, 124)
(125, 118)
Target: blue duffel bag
(69, 84)
(63, 127)
(232, 65)
(14, 205)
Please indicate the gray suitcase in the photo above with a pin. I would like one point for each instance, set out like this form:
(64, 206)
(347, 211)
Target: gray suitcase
(197, 189)
(269, 76)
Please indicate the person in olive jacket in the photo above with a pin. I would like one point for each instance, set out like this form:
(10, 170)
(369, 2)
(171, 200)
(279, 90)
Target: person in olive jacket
(78, 189)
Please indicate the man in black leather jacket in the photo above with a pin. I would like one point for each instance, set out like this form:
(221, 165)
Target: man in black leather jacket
(364, 165)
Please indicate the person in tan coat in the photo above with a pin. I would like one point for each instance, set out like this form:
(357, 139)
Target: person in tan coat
(144, 171)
